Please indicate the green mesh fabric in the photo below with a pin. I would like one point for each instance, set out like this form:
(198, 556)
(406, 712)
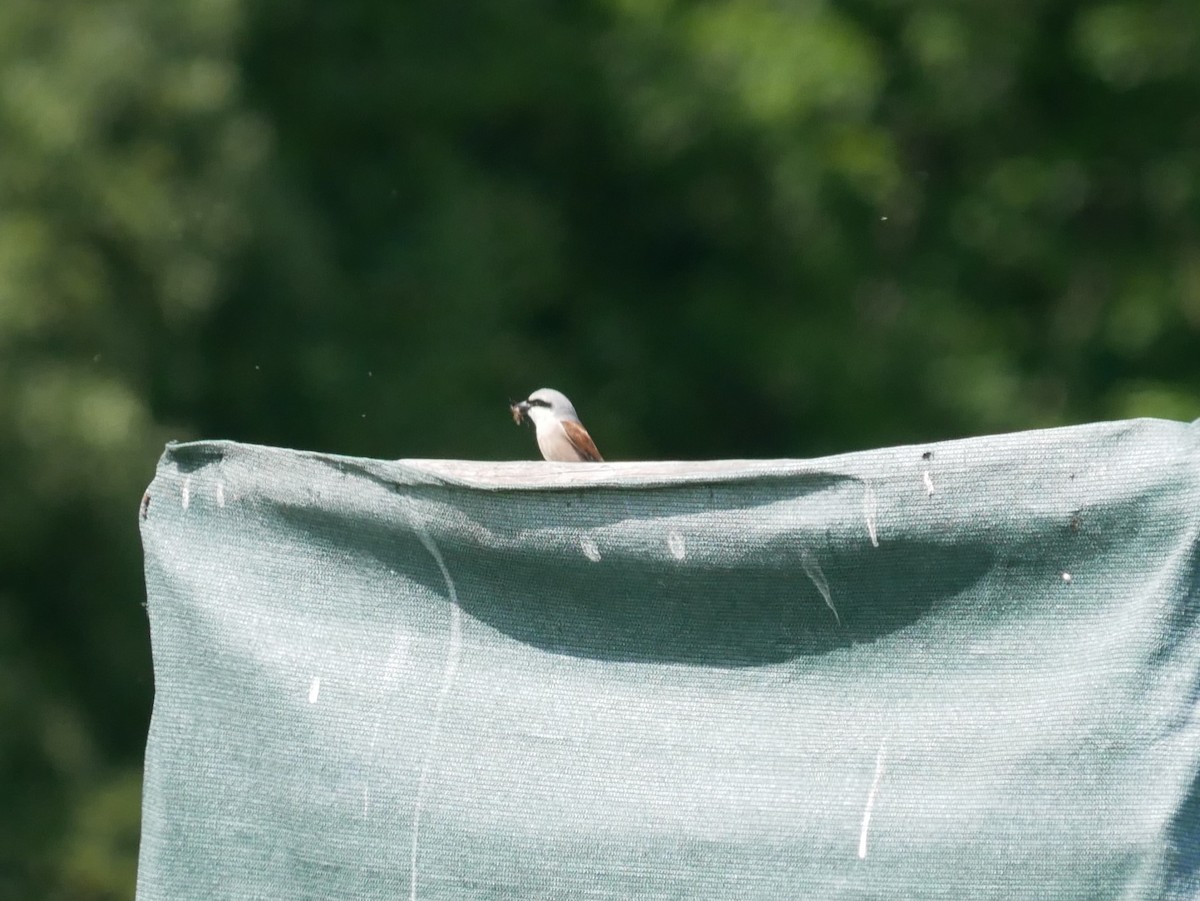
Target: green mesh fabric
(961, 670)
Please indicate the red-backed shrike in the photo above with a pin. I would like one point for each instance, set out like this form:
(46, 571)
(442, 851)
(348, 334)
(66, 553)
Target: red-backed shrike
(560, 434)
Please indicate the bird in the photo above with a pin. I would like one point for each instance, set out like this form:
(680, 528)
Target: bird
(561, 437)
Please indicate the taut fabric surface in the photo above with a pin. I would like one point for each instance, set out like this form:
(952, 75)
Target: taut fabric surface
(961, 670)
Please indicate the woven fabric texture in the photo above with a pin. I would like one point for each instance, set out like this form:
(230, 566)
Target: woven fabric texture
(961, 670)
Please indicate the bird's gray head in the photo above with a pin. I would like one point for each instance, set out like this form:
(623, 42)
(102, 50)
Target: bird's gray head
(548, 404)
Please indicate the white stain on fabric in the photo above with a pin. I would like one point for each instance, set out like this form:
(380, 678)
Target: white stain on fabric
(676, 545)
(870, 512)
(927, 479)
(449, 673)
(866, 817)
(1066, 577)
(314, 690)
(590, 549)
(186, 493)
(220, 494)
(813, 570)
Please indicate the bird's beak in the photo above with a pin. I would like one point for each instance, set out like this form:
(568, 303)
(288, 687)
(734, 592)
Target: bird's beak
(519, 411)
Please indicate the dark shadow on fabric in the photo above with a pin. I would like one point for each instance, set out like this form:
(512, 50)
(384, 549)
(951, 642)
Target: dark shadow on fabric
(766, 609)
(748, 616)
(188, 458)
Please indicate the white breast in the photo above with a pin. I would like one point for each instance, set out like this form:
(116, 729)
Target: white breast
(554, 443)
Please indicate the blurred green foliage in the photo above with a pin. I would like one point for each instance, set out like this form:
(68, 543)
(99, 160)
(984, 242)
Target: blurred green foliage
(725, 228)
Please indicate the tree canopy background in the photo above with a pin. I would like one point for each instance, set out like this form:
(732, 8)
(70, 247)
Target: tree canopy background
(734, 228)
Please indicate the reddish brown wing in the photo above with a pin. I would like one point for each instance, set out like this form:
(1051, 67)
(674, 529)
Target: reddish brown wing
(582, 442)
